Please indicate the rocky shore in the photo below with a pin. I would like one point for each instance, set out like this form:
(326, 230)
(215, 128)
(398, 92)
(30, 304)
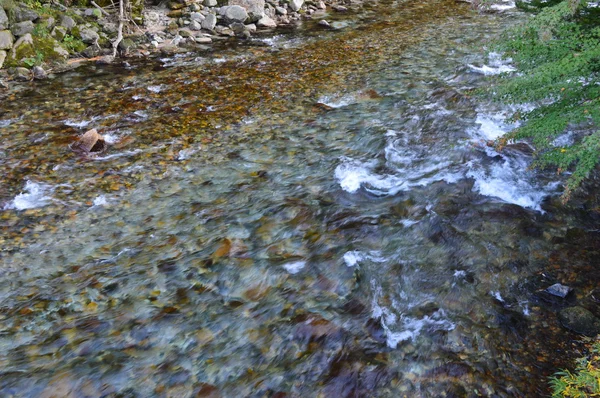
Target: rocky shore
(41, 37)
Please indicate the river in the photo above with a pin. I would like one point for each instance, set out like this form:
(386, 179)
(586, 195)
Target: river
(315, 213)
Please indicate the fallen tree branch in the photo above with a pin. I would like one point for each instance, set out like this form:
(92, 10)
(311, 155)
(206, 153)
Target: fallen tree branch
(102, 10)
(62, 7)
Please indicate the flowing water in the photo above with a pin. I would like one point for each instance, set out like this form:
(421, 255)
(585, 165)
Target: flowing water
(312, 214)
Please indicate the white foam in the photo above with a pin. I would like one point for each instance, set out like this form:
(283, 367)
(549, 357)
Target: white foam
(505, 5)
(491, 126)
(294, 267)
(403, 328)
(100, 201)
(119, 155)
(460, 274)
(352, 258)
(496, 65)
(110, 138)
(185, 154)
(338, 102)
(81, 123)
(509, 181)
(412, 327)
(496, 294)
(155, 89)
(352, 175)
(33, 196)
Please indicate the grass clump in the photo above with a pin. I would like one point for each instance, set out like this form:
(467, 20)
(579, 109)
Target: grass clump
(583, 382)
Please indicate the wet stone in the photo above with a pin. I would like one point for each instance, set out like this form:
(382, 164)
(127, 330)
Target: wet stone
(580, 320)
(559, 290)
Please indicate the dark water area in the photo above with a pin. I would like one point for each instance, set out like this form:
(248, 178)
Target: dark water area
(316, 213)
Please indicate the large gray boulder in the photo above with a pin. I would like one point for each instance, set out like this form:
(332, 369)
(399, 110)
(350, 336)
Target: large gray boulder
(22, 28)
(3, 19)
(6, 40)
(210, 3)
(233, 14)
(209, 22)
(88, 36)
(254, 8)
(295, 5)
(67, 22)
(22, 14)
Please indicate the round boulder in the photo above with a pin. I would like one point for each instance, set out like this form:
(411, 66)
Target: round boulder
(580, 320)
(233, 14)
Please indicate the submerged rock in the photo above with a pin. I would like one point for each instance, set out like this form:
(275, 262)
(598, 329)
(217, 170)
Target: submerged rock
(559, 290)
(580, 320)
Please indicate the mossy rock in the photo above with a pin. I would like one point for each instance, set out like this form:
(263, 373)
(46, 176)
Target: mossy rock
(35, 51)
(8, 4)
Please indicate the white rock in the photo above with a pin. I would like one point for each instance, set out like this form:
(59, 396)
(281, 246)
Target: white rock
(295, 5)
(266, 22)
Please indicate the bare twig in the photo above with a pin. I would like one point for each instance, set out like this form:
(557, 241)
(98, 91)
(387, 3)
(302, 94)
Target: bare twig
(62, 7)
(120, 34)
(102, 10)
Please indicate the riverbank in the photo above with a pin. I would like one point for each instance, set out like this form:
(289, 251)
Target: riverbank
(40, 38)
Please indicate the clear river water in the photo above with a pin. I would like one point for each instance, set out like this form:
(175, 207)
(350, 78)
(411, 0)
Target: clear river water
(315, 213)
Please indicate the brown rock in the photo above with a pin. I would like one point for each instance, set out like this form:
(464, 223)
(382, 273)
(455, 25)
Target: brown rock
(90, 142)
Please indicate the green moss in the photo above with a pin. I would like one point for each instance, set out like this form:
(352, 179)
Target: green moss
(43, 50)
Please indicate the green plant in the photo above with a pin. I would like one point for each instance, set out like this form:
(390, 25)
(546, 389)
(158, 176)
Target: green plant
(33, 61)
(73, 44)
(557, 53)
(584, 382)
(40, 30)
